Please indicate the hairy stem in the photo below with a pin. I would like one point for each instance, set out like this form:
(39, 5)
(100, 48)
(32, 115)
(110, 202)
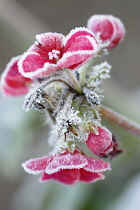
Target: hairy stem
(59, 79)
(73, 80)
(120, 120)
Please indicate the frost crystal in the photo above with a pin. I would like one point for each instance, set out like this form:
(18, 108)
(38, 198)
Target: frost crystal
(67, 117)
(98, 74)
(92, 97)
(34, 99)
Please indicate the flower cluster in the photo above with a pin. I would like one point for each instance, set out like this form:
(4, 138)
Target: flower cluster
(60, 77)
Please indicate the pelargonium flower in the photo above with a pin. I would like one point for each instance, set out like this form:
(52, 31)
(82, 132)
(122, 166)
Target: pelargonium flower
(109, 28)
(12, 82)
(53, 51)
(100, 144)
(67, 168)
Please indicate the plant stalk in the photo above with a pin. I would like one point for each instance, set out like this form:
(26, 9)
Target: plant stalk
(120, 120)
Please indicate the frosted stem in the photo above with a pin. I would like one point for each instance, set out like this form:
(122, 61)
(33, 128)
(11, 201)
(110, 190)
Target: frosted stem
(58, 80)
(120, 120)
(73, 80)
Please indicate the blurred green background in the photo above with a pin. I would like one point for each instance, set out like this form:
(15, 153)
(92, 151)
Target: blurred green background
(23, 135)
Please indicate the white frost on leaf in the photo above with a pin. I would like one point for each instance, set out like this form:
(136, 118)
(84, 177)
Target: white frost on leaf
(98, 74)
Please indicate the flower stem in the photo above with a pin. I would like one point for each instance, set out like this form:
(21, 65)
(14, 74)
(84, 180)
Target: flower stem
(120, 120)
(73, 80)
(58, 79)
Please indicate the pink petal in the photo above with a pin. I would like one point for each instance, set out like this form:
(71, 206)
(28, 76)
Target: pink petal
(81, 43)
(120, 33)
(96, 165)
(33, 65)
(37, 165)
(51, 41)
(77, 32)
(102, 143)
(88, 177)
(40, 50)
(12, 82)
(66, 161)
(74, 60)
(65, 176)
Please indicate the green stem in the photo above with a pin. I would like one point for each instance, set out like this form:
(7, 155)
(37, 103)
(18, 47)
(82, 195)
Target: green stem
(73, 80)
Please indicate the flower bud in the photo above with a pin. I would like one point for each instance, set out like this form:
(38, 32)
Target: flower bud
(100, 144)
(108, 27)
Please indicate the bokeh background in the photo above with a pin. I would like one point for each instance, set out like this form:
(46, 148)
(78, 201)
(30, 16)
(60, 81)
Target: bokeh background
(23, 135)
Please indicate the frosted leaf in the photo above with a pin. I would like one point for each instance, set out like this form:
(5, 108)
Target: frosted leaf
(67, 116)
(34, 99)
(98, 74)
(92, 97)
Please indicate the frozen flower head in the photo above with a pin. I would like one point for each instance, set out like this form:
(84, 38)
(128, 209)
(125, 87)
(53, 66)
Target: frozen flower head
(67, 168)
(108, 27)
(100, 144)
(12, 82)
(53, 51)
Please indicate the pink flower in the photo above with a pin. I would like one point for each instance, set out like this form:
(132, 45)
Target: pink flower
(110, 28)
(54, 51)
(100, 144)
(12, 82)
(67, 168)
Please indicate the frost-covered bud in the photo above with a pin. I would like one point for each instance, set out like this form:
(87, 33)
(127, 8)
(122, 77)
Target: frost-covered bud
(100, 144)
(108, 27)
(12, 82)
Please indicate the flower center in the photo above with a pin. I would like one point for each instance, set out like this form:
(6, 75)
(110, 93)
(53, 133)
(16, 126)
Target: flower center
(54, 54)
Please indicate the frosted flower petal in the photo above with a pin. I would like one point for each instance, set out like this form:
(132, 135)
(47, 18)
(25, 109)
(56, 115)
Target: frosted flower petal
(96, 165)
(74, 60)
(51, 41)
(33, 65)
(88, 177)
(12, 82)
(37, 165)
(66, 176)
(66, 161)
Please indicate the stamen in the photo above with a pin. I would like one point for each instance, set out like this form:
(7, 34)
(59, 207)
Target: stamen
(53, 54)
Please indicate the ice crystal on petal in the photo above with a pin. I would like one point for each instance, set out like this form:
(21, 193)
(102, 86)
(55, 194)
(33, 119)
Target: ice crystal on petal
(67, 167)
